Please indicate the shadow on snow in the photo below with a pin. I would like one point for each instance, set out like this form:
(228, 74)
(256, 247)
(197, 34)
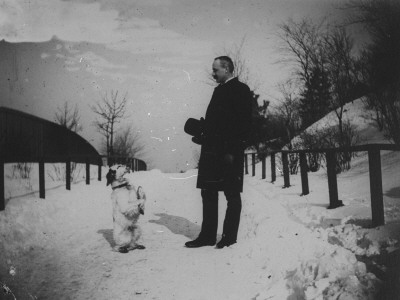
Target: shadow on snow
(178, 225)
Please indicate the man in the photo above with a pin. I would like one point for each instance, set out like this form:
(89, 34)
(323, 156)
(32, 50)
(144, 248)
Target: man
(225, 129)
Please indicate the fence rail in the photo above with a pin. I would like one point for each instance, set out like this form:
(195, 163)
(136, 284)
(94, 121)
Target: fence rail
(134, 163)
(375, 172)
(28, 138)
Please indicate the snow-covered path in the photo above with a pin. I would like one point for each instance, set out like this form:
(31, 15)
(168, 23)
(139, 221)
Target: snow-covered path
(69, 253)
(61, 248)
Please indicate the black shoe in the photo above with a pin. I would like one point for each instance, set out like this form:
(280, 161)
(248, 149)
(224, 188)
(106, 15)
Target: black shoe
(199, 243)
(224, 242)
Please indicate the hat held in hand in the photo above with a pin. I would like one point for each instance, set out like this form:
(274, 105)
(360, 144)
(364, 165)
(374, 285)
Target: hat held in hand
(194, 127)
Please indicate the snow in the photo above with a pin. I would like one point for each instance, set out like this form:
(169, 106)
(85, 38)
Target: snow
(359, 116)
(289, 246)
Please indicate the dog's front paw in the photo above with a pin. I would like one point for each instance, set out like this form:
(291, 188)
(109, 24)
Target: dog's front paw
(140, 194)
(141, 209)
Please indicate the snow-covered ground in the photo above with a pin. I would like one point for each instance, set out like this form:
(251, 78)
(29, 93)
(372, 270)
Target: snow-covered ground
(289, 246)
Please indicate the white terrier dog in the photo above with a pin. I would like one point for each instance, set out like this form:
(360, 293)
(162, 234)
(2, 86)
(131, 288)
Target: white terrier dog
(128, 203)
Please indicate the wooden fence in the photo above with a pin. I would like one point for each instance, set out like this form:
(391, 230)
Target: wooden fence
(375, 172)
(27, 138)
(133, 163)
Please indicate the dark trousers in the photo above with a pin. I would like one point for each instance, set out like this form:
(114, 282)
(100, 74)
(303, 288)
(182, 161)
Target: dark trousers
(210, 215)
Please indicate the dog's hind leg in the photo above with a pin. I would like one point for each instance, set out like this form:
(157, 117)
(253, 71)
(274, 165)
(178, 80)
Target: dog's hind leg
(121, 249)
(122, 238)
(136, 233)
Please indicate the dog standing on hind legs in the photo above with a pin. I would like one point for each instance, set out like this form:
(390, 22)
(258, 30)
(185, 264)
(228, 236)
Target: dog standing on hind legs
(128, 204)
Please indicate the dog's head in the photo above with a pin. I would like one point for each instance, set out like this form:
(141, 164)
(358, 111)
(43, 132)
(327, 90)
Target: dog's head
(116, 173)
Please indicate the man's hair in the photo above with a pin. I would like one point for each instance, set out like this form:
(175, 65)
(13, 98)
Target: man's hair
(226, 62)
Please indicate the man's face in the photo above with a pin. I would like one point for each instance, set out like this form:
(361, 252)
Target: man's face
(219, 73)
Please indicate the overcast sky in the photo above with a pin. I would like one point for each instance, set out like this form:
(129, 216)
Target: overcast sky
(156, 51)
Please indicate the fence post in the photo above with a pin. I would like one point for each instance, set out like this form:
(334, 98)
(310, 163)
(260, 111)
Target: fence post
(68, 174)
(263, 166)
(285, 166)
(87, 171)
(100, 165)
(334, 201)
(42, 192)
(304, 175)
(2, 189)
(273, 167)
(246, 164)
(253, 164)
(375, 183)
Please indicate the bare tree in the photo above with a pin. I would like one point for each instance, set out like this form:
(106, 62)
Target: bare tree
(68, 117)
(288, 109)
(343, 73)
(303, 47)
(242, 70)
(380, 18)
(127, 143)
(327, 51)
(327, 71)
(111, 110)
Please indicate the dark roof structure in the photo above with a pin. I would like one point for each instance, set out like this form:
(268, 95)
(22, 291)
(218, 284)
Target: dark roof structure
(24, 137)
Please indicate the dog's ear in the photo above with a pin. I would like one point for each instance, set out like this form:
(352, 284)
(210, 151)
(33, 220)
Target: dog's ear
(110, 176)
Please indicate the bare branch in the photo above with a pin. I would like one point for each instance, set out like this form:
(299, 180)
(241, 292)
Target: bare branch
(68, 118)
(110, 110)
(128, 144)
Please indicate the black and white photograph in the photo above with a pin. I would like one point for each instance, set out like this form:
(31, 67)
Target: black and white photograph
(200, 150)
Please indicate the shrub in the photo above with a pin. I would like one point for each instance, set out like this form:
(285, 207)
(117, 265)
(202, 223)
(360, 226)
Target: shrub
(330, 137)
(21, 170)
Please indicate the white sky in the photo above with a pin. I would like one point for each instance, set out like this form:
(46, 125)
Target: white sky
(157, 51)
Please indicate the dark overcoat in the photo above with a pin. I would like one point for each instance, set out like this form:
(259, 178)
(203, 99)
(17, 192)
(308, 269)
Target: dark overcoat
(226, 129)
